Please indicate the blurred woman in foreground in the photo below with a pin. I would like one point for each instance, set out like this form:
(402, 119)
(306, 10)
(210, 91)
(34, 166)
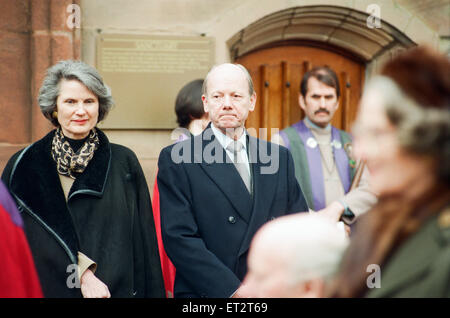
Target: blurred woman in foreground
(401, 247)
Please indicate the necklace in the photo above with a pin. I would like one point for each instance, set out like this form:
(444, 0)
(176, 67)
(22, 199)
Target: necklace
(329, 170)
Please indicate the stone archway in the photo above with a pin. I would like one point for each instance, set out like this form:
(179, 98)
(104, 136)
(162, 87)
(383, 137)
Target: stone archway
(332, 26)
(280, 47)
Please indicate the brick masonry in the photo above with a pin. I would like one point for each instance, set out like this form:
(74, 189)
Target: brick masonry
(33, 36)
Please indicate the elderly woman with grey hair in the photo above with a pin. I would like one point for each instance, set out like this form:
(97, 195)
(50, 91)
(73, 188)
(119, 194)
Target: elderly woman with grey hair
(84, 200)
(401, 248)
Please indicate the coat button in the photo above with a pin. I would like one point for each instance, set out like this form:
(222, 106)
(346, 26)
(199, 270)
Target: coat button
(232, 219)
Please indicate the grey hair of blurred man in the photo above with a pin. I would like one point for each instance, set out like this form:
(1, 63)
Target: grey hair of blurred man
(311, 245)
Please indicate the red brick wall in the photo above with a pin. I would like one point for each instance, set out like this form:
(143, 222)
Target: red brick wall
(33, 36)
(14, 71)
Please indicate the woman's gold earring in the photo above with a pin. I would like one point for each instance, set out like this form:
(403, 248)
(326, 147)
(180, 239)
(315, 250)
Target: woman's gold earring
(55, 114)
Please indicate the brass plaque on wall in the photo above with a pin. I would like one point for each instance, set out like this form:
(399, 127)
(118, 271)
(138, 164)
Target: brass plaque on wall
(145, 74)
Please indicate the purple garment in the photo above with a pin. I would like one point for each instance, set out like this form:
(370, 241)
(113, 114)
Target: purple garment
(285, 138)
(342, 160)
(181, 137)
(315, 164)
(9, 205)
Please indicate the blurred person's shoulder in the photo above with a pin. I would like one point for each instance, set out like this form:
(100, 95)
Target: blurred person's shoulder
(443, 224)
(420, 266)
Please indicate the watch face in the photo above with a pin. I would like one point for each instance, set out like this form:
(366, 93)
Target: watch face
(348, 213)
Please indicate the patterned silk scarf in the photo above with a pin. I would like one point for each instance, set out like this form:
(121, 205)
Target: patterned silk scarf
(68, 162)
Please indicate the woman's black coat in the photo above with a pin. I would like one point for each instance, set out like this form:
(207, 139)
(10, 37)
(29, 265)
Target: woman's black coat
(108, 217)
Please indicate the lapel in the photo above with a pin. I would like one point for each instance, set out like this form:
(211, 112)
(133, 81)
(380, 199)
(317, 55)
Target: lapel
(264, 189)
(222, 172)
(35, 182)
(93, 180)
(410, 261)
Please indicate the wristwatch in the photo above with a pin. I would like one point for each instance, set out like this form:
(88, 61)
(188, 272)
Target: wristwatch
(347, 212)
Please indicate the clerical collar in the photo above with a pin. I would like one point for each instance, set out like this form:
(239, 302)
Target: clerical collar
(311, 124)
(225, 140)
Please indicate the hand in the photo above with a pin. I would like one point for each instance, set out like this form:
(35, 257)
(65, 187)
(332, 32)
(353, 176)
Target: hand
(92, 287)
(348, 231)
(241, 292)
(344, 228)
(333, 211)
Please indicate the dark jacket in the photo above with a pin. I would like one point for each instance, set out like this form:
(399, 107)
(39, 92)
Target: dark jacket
(208, 216)
(108, 217)
(420, 267)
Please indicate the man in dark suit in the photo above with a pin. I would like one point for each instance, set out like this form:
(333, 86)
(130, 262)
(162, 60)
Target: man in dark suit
(214, 198)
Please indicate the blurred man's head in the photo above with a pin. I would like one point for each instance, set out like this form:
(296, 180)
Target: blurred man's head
(294, 256)
(319, 95)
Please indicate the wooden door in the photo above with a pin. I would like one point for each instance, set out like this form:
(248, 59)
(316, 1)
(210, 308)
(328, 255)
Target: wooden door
(277, 72)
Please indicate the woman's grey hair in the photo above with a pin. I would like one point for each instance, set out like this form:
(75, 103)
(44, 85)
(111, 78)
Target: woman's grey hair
(420, 130)
(73, 70)
(251, 89)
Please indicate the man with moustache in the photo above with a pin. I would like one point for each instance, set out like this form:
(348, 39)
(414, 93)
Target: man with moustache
(324, 165)
(216, 192)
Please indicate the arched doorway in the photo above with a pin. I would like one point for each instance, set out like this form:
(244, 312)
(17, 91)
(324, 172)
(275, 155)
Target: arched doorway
(280, 47)
(277, 73)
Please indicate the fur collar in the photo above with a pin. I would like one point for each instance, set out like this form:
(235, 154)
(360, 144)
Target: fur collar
(35, 181)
